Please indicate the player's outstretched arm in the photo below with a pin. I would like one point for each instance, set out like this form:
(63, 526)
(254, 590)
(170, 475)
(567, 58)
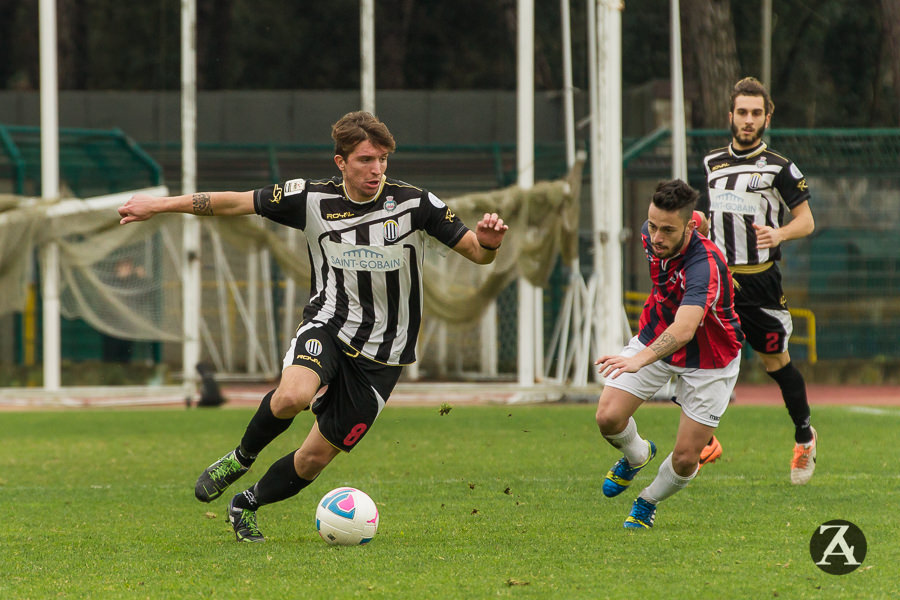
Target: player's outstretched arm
(676, 335)
(141, 207)
(480, 246)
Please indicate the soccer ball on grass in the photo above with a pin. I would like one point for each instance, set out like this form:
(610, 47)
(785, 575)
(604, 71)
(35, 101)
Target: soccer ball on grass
(346, 516)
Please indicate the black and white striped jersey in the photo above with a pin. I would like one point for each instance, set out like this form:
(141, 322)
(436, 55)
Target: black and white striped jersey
(756, 186)
(365, 259)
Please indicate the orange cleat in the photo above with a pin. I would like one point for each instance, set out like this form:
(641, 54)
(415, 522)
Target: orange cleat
(710, 452)
(804, 462)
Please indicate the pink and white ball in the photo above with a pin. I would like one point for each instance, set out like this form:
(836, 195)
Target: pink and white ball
(346, 516)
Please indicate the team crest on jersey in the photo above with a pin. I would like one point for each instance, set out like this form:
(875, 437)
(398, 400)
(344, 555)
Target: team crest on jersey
(390, 204)
(755, 181)
(313, 347)
(391, 231)
(294, 186)
(761, 163)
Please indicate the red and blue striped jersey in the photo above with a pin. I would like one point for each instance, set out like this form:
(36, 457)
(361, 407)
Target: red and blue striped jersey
(698, 276)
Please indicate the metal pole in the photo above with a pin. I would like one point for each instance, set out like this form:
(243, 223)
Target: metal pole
(608, 203)
(367, 54)
(679, 135)
(568, 87)
(595, 139)
(191, 226)
(289, 322)
(254, 352)
(559, 343)
(590, 306)
(527, 345)
(50, 190)
(766, 59)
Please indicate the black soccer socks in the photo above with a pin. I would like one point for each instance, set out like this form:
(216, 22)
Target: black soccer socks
(263, 428)
(793, 390)
(279, 483)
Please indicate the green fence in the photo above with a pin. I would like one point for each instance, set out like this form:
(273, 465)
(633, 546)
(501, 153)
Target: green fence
(91, 162)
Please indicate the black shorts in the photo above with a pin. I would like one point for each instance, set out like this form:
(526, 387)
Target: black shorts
(358, 387)
(760, 303)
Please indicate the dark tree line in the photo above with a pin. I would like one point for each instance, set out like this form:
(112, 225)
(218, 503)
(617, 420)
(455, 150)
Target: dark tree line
(834, 63)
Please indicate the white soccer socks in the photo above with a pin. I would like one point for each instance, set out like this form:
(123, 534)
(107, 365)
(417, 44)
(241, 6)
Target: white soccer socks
(666, 483)
(633, 446)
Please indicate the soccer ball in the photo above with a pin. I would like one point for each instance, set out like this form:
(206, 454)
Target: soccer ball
(346, 517)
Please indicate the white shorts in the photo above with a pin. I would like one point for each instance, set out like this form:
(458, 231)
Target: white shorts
(703, 394)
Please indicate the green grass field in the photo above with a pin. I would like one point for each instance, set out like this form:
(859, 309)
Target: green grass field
(485, 502)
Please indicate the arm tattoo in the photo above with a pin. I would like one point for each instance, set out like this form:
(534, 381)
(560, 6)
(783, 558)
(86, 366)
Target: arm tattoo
(664, 345)
(202, 204)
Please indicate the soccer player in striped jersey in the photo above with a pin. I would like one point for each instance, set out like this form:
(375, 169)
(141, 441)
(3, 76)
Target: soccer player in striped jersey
(366, 239)
(751, 190)
(688, 328)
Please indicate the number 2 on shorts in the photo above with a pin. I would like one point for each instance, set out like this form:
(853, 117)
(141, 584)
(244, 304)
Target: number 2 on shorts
(773, 342)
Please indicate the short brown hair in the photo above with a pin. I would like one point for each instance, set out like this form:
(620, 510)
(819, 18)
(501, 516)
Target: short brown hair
(356, 127)
(751, 86)
(676, 196)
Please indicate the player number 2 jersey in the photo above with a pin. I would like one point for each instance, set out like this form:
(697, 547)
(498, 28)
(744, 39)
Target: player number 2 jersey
(365, 258)
(757, 186)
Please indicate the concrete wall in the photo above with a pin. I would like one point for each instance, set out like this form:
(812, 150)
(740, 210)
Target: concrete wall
(415, 117)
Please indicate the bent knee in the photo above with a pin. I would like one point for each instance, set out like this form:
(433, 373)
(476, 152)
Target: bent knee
(287, 403)
(309, 464)
(609, 421)
(685, 462)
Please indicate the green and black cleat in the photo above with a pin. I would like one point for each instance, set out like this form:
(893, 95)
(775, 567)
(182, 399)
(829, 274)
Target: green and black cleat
(243, 521)
(218, 476)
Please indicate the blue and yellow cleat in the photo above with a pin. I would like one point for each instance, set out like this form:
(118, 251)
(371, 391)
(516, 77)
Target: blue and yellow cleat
(642, 515)
(619, 477)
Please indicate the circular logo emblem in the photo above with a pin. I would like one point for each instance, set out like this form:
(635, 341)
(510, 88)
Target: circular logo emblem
(391, 231)
(390, 204)
(313, 347)
(838, 547)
